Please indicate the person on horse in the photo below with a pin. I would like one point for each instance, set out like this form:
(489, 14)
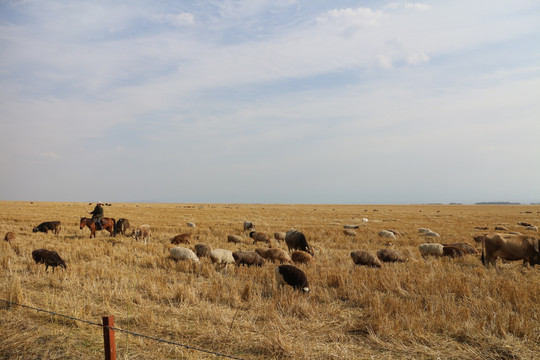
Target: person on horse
(97, 215)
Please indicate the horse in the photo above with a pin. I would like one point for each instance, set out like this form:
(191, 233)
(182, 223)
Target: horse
(107, 224)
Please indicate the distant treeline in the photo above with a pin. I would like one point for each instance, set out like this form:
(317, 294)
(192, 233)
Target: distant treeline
(497, 203)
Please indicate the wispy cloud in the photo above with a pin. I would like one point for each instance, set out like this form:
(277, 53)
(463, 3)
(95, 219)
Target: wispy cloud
(274, 92)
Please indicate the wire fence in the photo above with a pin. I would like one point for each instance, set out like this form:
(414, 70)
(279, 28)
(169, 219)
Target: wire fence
(11, 303)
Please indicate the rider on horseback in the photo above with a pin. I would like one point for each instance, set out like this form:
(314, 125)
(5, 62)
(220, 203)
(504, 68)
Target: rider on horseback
(97, 215)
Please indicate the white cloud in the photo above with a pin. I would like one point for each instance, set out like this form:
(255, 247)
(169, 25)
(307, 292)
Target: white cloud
(417, 59)
(181, 19)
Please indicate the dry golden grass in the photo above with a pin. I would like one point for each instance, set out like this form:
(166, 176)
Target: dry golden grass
(427, 309)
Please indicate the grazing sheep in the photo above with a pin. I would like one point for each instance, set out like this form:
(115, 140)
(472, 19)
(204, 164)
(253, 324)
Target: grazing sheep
(424, 230)
(387, 234)
(235, 239)
(293, 276)
(248, 258)
(452, 251)
(363, 257)
(431, 249)
(431, 234)
(181, 239)
(9, 236)
(526, 224)
(248, 225)
(49, 258)
(351, 226)
(531, 228)
(501, 228)
(190, 224)
(182, 253)
(296, 240)
(54, 226)
(301, 257)
(280, 236)
(469, 249)
(221, 257)
(390, 255)
(202, 250)
(274, 255)
(143, 232)
(349, 232)
(259, 236)
(121, 226)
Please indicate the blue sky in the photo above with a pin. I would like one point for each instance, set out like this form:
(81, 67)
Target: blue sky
(270, 101)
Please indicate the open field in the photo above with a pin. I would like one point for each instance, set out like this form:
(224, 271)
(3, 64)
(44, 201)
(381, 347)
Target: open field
(423, 309)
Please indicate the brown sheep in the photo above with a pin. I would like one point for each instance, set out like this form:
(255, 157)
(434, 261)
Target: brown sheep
(248, 258)
(349, 232)
(301, 257)
(274, 255)
(363, 257)
(279, 236)
(202, 250)
(235, 239)
(259, 236)
(9, 236)
(181, 239)
(453, 251)
(468, 249)
(390, 255)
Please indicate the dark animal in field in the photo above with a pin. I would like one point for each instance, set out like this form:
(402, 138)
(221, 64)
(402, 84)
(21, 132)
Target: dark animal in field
(248, 225)
(349, 232)
(122, 225)
(106, 223)
(248, 258)
(301, 257)
(49, 258)
(293, 276)
(453, 251)
(296, 240)
(510, 248)
(203, 250)
(363, 257)
(467, 248)
(259, 236)
(54, 226)
(181, 239)
(9, 236)
(526, 224)
(501, 228)
(390, 255)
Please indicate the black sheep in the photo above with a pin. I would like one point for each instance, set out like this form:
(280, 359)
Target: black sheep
(49, 258)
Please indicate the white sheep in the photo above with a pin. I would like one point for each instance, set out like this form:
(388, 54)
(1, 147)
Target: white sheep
(182, 253)
(221, 257)
(432, 234)
(387, 234)
(431, 249)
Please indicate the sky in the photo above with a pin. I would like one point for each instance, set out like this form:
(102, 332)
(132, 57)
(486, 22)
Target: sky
(270, 101)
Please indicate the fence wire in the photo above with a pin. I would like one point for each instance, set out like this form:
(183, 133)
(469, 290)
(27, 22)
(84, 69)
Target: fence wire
(10, 303)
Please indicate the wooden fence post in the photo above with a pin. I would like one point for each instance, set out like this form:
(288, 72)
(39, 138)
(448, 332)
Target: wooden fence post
(108, 337)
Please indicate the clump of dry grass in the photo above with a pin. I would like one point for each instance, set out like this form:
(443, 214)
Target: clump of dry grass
(424, 308)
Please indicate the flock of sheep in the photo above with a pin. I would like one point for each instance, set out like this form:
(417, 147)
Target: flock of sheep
(299, 251)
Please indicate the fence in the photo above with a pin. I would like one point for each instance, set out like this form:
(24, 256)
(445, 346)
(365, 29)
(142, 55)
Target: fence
(109, 331)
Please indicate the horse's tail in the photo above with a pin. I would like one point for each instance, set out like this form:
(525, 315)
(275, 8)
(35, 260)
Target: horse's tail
(114, 226)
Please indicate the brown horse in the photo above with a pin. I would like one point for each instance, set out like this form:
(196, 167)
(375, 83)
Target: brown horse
(107, 224)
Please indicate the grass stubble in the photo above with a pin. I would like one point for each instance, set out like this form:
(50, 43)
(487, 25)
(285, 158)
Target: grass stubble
(423, 309)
